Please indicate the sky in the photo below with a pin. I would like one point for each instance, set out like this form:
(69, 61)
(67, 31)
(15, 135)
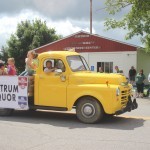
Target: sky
(66, 16)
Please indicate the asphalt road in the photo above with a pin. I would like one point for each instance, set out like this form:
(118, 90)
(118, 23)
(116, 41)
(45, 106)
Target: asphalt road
(44, 130)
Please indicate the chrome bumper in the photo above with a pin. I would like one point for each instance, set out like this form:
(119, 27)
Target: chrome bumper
(131, 105)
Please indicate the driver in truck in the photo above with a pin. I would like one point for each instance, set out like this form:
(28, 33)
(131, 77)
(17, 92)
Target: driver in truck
(49, 67)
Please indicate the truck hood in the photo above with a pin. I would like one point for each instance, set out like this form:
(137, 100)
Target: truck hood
(96, 78)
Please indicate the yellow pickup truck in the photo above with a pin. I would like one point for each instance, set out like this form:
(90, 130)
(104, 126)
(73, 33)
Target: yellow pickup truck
(71, 84)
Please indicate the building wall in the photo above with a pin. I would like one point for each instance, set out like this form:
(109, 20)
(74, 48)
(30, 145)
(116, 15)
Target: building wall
(143, 62)
(97, 49)
(124, 60)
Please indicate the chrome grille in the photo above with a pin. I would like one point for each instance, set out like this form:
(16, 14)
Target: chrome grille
(124, 97)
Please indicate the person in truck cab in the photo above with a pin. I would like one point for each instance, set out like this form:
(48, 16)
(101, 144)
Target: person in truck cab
(49, 67)
(60, 65)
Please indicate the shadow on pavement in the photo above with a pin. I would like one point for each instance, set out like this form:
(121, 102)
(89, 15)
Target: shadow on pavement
(69, 120)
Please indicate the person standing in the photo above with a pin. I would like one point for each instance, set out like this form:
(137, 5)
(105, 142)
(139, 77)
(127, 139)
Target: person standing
(100, 69)
(132, 74)
(117, 69)
(139, 79)
(11, 69)
(2, 69)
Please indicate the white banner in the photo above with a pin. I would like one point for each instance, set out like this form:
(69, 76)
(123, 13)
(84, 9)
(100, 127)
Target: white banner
(13, 92)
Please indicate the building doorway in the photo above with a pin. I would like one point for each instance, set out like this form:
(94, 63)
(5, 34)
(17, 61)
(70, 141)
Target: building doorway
(107, 67)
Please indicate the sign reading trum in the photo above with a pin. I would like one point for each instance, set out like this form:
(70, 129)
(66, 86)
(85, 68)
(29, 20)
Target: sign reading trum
(13, 92)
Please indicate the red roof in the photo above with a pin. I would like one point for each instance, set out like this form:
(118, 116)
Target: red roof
(85, 42)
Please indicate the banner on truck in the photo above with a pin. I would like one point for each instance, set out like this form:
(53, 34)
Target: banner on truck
(14, 92)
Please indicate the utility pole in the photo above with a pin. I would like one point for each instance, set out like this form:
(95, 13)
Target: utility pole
(90, 16)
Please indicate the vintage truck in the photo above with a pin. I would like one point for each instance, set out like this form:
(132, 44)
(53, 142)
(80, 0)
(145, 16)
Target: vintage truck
(71, 85)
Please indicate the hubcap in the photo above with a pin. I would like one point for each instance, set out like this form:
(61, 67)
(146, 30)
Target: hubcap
(88, 110)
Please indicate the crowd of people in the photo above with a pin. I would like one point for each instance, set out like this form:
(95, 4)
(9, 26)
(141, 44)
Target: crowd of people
(10, 69)
(136, 79)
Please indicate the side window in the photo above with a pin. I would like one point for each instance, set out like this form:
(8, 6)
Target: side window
(50, 65)
(60, 65)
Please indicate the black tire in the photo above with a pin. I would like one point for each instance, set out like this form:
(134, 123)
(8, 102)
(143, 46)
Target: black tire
(88, 110)
(109, 115)
(6, 111)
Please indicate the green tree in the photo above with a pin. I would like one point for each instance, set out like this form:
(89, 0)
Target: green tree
(137, 20)
(4, 54)
(29, 35)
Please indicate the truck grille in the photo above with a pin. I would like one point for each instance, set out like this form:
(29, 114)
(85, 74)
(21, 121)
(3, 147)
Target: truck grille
(124, 97)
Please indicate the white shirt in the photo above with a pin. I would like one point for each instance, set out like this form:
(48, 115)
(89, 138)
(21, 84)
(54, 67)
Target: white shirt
(48, 70)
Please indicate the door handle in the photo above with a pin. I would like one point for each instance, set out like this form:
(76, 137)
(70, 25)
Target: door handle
(63, 78)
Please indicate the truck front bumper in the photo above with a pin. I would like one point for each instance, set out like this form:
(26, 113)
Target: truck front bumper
(131, 105)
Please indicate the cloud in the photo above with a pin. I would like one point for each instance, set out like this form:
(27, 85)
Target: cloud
(60, 9)
(66, 16)
(55, 9)
(8, 24)
(66, 27)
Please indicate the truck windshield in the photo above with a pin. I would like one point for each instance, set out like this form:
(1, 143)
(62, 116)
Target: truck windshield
(77, 63)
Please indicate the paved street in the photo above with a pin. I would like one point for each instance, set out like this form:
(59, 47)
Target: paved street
(42, 130)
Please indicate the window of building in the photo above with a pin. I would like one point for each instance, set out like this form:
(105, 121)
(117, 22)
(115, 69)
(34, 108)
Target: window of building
(105, 66)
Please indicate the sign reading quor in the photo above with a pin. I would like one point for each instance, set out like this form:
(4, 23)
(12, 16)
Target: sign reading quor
(13, 92)
(70, 85)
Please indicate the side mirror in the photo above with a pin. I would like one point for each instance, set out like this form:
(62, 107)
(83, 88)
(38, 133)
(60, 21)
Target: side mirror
(58, 71)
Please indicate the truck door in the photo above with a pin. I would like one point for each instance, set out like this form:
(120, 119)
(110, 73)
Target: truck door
(52, 85)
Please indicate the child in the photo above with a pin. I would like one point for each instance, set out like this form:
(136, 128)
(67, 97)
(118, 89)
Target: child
(35, 61)
(2, 69)
(11, 69)
(30, 67)
(49, 67)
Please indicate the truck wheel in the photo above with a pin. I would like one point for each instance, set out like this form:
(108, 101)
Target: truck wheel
(89, 110)
(6, 111)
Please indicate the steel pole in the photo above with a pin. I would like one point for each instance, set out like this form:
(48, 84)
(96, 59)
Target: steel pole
(90, 16)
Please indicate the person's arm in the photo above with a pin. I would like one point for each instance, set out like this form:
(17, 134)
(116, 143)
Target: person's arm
(13, 68)
(135, 72)
(35, 63)
(29, 63)
(144, 78)
(48, 70)
(8, 68)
